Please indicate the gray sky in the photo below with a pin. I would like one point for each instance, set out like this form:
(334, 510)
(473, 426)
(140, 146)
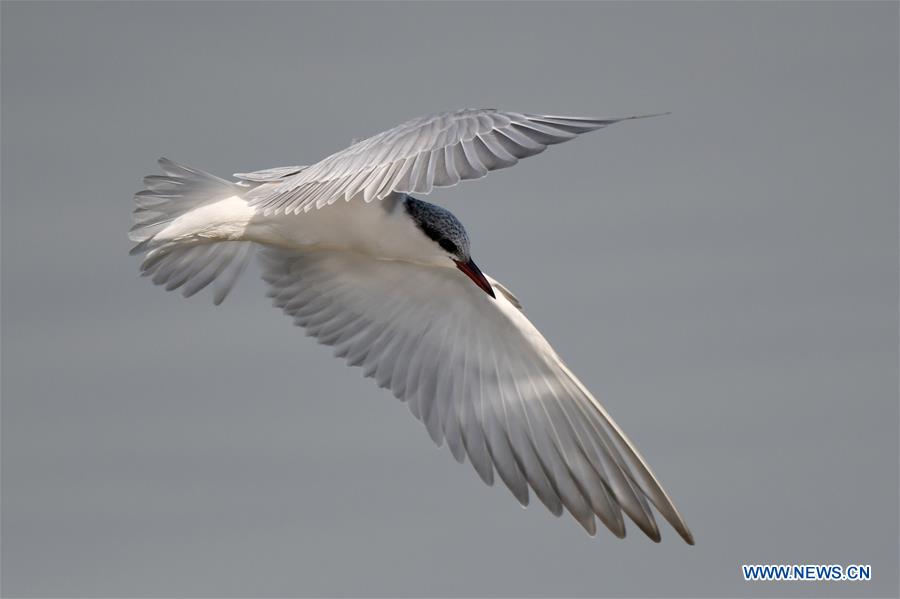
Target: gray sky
(724, 279)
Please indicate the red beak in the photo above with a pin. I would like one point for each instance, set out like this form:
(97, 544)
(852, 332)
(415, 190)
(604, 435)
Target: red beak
(473, 272)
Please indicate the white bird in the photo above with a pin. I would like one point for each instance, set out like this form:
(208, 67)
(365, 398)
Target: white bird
(387, 279)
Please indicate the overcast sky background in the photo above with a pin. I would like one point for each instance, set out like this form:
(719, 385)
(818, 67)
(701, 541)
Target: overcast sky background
(724, 279)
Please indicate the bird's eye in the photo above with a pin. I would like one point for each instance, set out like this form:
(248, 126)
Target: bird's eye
(449, 246)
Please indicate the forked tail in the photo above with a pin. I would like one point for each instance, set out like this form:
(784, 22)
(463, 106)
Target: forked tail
(175, 235)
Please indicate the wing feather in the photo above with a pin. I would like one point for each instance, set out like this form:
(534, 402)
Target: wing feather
(278, 173)
(416, 157)
(478, 375)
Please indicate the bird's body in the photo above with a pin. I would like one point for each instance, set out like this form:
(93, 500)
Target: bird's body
(388, 280)
(376, 229)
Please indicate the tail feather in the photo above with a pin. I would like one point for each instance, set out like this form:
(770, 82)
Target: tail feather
(168, 196)
(189, 263)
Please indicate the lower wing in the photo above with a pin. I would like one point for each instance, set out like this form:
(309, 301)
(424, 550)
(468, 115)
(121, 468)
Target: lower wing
(479, 375)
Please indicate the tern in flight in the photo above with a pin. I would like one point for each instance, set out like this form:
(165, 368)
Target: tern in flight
(388, 280)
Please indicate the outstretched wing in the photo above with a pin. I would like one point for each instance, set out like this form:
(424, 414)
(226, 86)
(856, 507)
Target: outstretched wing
(479, 375)
(421, 154)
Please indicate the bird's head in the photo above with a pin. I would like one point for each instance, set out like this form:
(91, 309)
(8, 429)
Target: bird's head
(448, 234)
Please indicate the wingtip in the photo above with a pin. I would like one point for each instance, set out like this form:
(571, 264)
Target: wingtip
(645, 116)
(680, 526)
(589, 524)
(650, 530)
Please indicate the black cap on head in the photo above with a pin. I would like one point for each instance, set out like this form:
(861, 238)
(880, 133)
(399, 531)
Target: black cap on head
(439, 225)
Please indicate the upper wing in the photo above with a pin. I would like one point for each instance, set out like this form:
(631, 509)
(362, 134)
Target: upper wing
(478, 374)
(428, 152)
(278, 173)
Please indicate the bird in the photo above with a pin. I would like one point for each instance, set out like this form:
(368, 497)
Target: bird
(387, 279)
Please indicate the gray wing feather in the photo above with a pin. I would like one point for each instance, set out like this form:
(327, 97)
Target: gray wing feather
(268, 175)
(193, 267)
(417, 156)
(479, 376)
